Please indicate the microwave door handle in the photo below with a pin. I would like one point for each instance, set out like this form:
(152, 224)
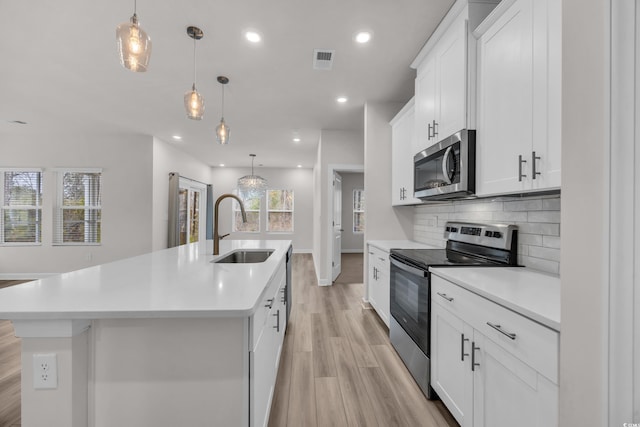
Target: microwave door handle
(408, 268)
(445, 161)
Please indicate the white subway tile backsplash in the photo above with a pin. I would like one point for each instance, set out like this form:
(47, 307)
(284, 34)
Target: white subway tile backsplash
(537, 218)
(544, 216)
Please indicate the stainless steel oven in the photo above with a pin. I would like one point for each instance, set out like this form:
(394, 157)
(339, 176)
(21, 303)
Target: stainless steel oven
(468, 244)
(447, 169)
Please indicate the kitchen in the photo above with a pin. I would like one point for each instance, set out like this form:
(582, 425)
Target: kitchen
(587, 267)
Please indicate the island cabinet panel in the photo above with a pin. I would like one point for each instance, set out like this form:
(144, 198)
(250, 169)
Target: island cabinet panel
(519, 88)
(169, 372)
(265, 355)
(491, 366)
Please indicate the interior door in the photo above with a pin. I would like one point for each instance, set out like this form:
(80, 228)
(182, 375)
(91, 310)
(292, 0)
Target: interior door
(337, 226)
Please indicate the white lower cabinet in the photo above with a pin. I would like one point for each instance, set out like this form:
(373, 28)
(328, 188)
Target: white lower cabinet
(378, 281)
(490, 366)
(267, 334)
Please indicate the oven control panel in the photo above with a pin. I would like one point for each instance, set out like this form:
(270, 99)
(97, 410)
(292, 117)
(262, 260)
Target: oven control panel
(492, 235)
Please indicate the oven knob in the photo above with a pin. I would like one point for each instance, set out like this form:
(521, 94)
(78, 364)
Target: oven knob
(488, 233)
(497, 234)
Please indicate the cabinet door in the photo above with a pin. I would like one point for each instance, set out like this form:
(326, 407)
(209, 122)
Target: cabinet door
(451, 85)
(402, 143)
(371, 276)
(547, 115)
(262, 376)
(425, 103)
(505, 102)
(384, 289)
(507, 392)
(451, 375)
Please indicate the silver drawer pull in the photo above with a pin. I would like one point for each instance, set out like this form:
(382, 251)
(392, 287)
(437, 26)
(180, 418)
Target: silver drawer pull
(445, 296)
(381, 259)
(269, 303)
(499, 329)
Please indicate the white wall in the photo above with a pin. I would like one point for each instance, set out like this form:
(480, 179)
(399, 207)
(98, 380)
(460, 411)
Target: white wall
(317, 209)
(168, 158)
(224, 180)
(585, 84)
(382, 220)
(126, 198)
(351, 242)
(339, 149)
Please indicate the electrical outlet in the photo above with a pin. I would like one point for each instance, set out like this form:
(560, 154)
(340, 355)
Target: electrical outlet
(45, 371)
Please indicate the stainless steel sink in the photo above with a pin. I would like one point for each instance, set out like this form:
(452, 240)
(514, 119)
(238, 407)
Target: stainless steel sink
(245, 256)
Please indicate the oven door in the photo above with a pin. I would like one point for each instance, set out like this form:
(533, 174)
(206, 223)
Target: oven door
(410, 304)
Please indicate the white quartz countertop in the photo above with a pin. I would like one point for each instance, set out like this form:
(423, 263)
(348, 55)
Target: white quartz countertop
(175, 282)
(387, 245)
(531, 293)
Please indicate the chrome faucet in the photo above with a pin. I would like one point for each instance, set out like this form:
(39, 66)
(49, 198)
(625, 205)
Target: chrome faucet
(216, 236)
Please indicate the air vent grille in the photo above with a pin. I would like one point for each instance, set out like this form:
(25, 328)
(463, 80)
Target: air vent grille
(323, 59)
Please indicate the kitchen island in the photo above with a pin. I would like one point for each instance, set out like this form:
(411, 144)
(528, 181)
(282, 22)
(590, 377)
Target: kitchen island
(164, 339)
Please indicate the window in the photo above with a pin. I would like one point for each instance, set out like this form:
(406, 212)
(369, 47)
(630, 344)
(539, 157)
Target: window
(358, 211)
(79, 208)
(21, 213)
(280, 211)
(251, 208)
(192, 198)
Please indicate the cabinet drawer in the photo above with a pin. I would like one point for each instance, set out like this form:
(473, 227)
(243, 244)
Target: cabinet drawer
(379, 257)
(532, 343)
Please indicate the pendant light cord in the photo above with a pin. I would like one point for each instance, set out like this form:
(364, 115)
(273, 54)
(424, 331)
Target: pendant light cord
(135, 6)
(194, 62)
(223, 112)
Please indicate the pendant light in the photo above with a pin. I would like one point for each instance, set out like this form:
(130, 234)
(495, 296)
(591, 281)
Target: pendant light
(134, 45)
(222, 130)
(252, 186)
(193, 101)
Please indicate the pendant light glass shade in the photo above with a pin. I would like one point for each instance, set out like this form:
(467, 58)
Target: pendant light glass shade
(193, 101)
(222, 130)
(194, 104)
(134, 45)
(252, 186)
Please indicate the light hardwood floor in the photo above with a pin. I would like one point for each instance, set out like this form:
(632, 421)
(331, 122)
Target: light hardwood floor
(338, 367)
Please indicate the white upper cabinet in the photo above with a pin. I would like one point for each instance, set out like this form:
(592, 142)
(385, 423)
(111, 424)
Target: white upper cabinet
(445, 80)
(402, 151)
(519, 78)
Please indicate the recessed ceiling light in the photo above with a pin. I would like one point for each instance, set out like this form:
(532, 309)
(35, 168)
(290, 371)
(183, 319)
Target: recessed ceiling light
(296, 139)
(363, 37)
(253, 37)
(221, 165)
(299, 166)
(341, 99)
(177, 137)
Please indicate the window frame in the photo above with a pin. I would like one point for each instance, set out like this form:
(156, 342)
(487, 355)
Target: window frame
(235, 207)
(37, 208)
(293, 201)
(59, 208)
(357, 211)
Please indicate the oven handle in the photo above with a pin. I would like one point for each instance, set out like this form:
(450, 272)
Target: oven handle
(409, 269)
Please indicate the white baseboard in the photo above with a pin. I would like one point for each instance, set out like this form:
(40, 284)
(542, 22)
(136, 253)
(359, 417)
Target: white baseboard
(324, 282)
(25, 276)
(353, 251)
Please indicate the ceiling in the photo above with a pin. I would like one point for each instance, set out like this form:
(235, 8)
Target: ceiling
(60, 72)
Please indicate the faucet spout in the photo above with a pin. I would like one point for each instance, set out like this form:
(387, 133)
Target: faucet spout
(216, 234)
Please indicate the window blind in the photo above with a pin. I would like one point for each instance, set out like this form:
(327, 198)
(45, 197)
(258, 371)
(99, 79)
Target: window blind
(21, 209)
(78, 215)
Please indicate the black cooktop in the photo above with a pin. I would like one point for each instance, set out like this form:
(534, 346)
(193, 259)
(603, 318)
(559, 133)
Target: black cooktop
(425, 258)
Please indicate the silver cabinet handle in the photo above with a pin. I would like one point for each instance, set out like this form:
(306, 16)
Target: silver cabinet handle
(381, 259)
(429, 136)
(462, 353)
(502, 331)
(269, 303)
(520, 162)
(473, 356)
(534, 173)
(277, 327)
(435, 129)
(445, 296)
(370, 253)
(284, 295)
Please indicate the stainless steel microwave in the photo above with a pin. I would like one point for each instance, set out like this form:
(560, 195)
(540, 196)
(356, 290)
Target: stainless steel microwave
(447, 170)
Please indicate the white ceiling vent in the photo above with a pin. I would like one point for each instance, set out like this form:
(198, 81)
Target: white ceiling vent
(323, 59)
